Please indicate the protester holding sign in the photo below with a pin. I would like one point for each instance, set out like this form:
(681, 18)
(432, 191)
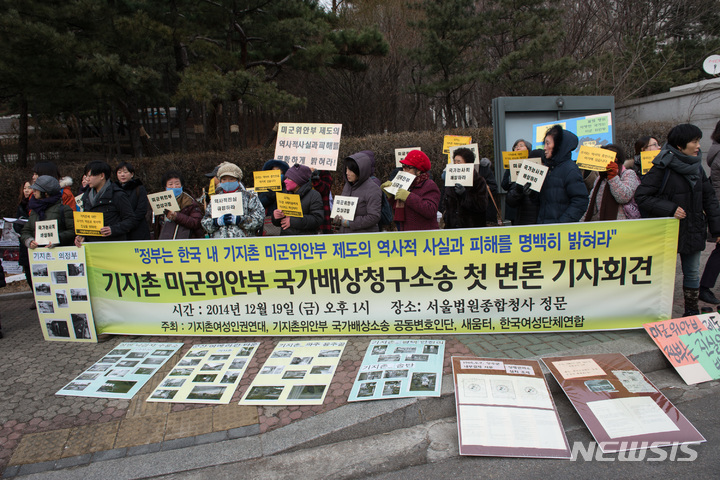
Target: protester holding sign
(465, 207)
(613, 192)
(676, 186)
(45, 204)
(297, 181)
(416, 208)
(358, 183)
(137, 194)
(564, 197)
(184, 223)
(231, 225)
(643, 144)
(521, 198)
(107, 198)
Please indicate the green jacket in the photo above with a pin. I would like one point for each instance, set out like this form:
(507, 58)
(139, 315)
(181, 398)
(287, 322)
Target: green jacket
(66, 226)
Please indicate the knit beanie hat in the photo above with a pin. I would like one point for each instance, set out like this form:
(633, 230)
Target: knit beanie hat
(299, 174)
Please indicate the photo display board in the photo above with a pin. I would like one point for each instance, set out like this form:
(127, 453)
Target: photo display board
(122, 372)
(207, 373)
(60, 286)
(691, 344)
(622, 409)
(504, 409)
(399, 369)
(296, 373)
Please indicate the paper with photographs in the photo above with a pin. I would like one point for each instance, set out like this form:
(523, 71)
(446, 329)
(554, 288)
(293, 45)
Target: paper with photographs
(122, 372)
(206, 374)
(396, 368)
(622, 409)
(505, 409)
(691, 344)
(60, 287)
(296, 373)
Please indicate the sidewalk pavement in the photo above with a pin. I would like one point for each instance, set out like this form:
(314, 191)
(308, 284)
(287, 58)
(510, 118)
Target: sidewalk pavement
(67, 437)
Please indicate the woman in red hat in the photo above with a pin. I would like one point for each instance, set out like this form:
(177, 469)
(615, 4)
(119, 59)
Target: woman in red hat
(416, 208)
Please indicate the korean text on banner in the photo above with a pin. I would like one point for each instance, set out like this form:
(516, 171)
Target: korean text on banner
(313, 144)
(88, 223)
(162, 201)
(268, 180)
(290, 204)
(592, 158)
(508, 156)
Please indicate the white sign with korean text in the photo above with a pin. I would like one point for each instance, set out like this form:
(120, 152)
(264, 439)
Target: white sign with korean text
(473, 147)
(516, 164)
(345, 207)
(315, 145)
(532, 173)
(227, 203)
(401, 180)
(162, 201)
(401, 153)
(46, 232)
(461, 173)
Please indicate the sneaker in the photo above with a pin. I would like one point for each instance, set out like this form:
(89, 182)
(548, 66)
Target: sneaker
(707, 296)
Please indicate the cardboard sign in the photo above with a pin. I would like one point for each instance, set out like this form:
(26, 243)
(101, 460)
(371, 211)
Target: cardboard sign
(516, 164)
(533, 173)
(454, 141)
(473, 147)
(46, 232)
(268, 180)
(595, 159)
(290, 204)
(88, 223)
(227, 203)
(646, 159)
(461, 173)
(401, 180)
(345, 207)
(313, 144)
(510, 156)
(162, 201)
(401, 153)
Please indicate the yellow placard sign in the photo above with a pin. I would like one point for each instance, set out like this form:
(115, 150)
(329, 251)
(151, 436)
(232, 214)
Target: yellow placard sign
(267, 180)
(646, 159)
(593, 158)
(454, 141)
(88, 223)
(290, 204)
(519, 155)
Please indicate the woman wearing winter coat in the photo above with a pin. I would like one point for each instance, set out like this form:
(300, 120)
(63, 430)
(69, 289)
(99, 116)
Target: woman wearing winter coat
(416, 208)
(676, 186)
(185, 223)
(229, 225)
(46, 204)
(712, 266)
(466, 207)
(612, 195)
(563, 196)
(298, 181)
(23, 212)
(137, 194)
(358, 183)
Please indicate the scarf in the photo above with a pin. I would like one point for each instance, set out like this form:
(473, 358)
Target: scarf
(686, 165)
(608, 206)
(39, 206)
(418, 182)
(94, 196)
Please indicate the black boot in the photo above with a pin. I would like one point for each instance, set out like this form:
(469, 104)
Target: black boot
(707, 296)
(691, 301)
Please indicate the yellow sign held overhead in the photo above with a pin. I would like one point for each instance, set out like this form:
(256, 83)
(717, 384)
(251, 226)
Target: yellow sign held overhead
(267, 180)
(518, 155)
(593, 158)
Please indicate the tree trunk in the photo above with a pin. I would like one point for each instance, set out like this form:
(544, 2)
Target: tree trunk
(130, 110)
(22, 150)
(181, 114)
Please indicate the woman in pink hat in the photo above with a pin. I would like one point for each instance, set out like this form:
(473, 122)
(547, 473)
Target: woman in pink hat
(416, 208)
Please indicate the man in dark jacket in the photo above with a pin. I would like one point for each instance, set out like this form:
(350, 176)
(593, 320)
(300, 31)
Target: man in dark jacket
(676, 186)
(465, 207)
(109, 199)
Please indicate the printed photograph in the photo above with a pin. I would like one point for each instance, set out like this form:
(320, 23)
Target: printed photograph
(301, 361)
(321, 370)
(600, 385)
(206, 393)
(230, 377)
(189, 362)
(80, 325)
(40, 270)
(76, 269)
(263, 392)
(423, 382)
(218, 357)
(245, 351)
(118, 372)
(88, 376)
(42, 289)
(162, 353)
(405, 349)
(197, 353)
(379, 350)
(98, 368)
(116, 386)
(396, 373)
(294, 374)
(205, 378)
(306, 392)
(329, 353)
(173, 382)
(181, 372)
(120, 351)
(367, 389)
(282, 354)
(61, 297)
(431, 349)
(77, 386)
(271, 370)
(238, 364)
(153, 361)
(144, 371)
(137, 355)
(376, 375)
(109, 359)
(213, 366)
(417, 357)
(389, 358)
(78, 294)
(391, 388)
(59, 277)
(45, 306)
(164, 394)
(57, 329)
(128, 363)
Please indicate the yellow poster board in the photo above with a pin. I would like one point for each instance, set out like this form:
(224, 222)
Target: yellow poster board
(290, 204)
(88, 223)
(454, 141)
(266, 180)
(593, 158)
(646, 159)
(507, 156)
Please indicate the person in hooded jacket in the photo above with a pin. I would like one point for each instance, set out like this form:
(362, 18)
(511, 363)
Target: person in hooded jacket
(137, 194)
(359, 183)
(676, 186)
(185, 223)
(46, 204)
(229, 225)
(107, 198)
(520, 198)
(563, 196)
(466, 207)
(298, 181)
(712, 266)
(416, 209)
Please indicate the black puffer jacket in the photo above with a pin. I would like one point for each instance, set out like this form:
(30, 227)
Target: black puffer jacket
(140, 206)
(469, 209)
(117, 213)
(698, 201)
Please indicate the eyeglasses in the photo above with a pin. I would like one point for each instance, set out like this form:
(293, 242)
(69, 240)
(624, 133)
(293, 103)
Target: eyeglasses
(407, 168)
(653, 144)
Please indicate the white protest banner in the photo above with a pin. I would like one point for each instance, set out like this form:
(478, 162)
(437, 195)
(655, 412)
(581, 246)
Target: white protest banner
(162, 201)
(533, 173)
(345, 207)
(315, 145)
(461, 173)
(401, 153)
(46, 232)
(227, 203)
(473, 147)
(401, 180)
(516, 164)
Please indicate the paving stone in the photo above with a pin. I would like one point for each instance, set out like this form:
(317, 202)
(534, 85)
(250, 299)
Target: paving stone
(11, 471)
(40, 467)
(68, 462)
(177, 443)
(211, 438)
(188, 423)
(226, 417)
(40, 447)
(140, 431)
(143, 449)
(109, 454)
(91, 438)
(244, 431)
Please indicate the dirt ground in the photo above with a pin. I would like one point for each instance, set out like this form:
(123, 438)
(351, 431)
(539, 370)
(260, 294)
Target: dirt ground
(14, 287)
